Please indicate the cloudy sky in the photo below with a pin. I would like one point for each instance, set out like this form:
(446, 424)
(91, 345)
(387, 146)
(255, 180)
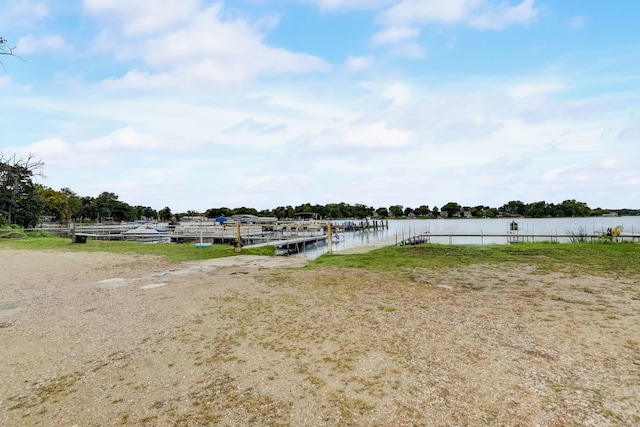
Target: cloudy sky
(195, 104)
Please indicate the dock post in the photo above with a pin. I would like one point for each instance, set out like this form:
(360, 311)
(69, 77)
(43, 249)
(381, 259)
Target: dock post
(238, 247)
(329, 239)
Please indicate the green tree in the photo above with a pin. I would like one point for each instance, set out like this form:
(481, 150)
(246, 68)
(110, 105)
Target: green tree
(478, 211)
(396, 210)
(88, 209)
(452, 209)
(280, 212)
(573, 208)
(423, 210)
(105, 204)
(305, 207)
(20, 201)
(383, 212)
(333, 211)
(513, 208)
(244, 211)
(74, 201)
(491, 212)
(165, 214)
(361, 211)
(55, 204)
(145, 212)
(536, 209)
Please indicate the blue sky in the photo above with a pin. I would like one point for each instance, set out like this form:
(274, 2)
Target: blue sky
(197, 104)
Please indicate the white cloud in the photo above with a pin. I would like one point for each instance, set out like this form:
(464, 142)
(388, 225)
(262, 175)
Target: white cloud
(631, 132)
(395, 34)
(205, 51)
(121, 139)
(52, 151)
(502, 16)
(398, 92)
(523, 90)
(32, 44)
(481, 14)
(24, 13)
(141, 17)
(93, 152)
(375, 135)
(409, 50)
(350, 4)
(255, 127)
(356, 64)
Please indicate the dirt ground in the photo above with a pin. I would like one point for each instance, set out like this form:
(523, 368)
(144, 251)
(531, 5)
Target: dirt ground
(94, 339)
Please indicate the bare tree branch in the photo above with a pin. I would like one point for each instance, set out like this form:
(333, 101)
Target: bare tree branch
(30, 163)
(6, 49)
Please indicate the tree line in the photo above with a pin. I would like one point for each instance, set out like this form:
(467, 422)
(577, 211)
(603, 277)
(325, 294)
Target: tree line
(26, 203)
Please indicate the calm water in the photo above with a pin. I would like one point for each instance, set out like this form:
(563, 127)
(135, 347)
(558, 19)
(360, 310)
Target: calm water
(402, 229)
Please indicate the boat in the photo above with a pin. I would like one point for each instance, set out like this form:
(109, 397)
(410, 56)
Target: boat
(146, 234)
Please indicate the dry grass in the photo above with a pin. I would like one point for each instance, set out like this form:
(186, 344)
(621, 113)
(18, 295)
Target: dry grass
(471, 346)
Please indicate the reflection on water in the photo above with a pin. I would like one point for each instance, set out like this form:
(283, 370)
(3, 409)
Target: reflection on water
(481, 228)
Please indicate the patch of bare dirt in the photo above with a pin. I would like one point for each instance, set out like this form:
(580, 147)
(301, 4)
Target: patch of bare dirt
(103, 339)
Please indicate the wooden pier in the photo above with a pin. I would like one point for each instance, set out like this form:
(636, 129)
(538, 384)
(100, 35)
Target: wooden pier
(512, 237)
(360, 225)
(292, 245)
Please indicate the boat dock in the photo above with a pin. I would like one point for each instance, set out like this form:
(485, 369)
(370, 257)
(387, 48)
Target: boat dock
(429, 237)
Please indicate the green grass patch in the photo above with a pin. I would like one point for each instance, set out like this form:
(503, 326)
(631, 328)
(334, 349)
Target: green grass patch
(173, 252)
(579, 258)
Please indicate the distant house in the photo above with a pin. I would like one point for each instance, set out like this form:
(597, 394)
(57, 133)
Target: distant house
(610, 214)
(447, 214)
(466, 213)
(45, 219)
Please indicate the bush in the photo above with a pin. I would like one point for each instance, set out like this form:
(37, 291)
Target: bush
(578, 235)
(11, 232)
(39, 233)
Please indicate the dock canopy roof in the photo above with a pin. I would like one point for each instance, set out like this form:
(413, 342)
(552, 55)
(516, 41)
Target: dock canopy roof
(306, 216)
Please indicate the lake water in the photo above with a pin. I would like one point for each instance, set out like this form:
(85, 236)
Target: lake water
(452, 231)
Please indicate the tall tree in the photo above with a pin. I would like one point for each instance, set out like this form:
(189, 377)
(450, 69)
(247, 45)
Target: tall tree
(396, 210)
(74, 201)
(55, 204)
(383, 212)
(423, 210)
(513, 208)
(165, 213)
(452, 209)
(20, 201)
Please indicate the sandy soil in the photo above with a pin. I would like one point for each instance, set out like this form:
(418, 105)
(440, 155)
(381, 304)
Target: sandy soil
(103, 339)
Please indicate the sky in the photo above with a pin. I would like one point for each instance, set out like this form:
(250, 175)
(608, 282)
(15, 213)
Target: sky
(196, 104)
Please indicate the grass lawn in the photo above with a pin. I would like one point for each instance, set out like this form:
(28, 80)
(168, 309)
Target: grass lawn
(617, 259)
(173, 252)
